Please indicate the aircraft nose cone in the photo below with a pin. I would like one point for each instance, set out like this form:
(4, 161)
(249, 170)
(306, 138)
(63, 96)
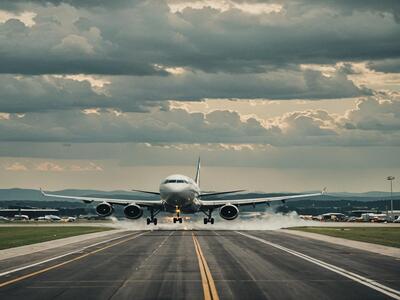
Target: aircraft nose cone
(168, 190)
(175, 188)
(177, 199)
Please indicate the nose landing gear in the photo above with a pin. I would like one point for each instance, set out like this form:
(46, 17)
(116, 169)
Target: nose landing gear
(178, 218)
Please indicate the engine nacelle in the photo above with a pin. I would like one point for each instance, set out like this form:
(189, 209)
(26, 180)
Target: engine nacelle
(229, 212)
(133, 211)
(104, 209)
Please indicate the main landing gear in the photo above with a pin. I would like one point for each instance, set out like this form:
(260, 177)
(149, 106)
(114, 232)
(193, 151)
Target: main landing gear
(178, 218)
(152, 218)
(149, 220)
(208, 218)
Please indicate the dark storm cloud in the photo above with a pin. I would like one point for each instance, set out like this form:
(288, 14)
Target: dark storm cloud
(20, 95)
(280, 84)
(44, 93)
(373, 122)
(232, 39)
(146, 34)
(390, 6)
(18, 4)
(155, 54)
(138, 93)
(172, 126)
(348, 7)
(386, 65)
(47, 50)
(79, 66)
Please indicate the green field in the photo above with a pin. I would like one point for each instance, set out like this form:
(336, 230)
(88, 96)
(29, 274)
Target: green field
(388, 236)
(18, 236)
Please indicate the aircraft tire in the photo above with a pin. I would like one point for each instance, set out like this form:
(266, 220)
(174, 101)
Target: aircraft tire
(174, 220)
(212, 221)
(205, 220)
(180, 220)
(155, 221)
(148, 221)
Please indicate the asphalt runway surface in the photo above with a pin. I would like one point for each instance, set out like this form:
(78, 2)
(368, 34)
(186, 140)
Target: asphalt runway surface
(201, 265)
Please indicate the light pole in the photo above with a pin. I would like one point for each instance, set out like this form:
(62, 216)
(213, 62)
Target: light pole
(391, 178)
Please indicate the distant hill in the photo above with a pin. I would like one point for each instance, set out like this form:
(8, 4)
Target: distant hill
(374, 194)
(335, 202)
(33, 195)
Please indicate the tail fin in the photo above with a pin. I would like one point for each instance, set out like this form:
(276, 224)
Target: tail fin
(197, 177)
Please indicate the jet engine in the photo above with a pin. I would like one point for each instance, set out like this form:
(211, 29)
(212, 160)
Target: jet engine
(229, 212)
(133, 211)
(104, 209)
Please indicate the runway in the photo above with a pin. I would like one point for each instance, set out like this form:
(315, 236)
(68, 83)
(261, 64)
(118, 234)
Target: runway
(202, 265)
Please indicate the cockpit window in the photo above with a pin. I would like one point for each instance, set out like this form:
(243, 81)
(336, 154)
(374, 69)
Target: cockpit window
(170, 181)
(175, 181)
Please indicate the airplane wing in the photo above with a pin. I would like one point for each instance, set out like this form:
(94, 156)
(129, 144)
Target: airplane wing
(147, 203)
(253, 201)
(219, 193)
(146, 192)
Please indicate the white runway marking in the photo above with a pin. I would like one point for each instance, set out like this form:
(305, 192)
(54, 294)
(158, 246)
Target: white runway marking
(63, 255)
(395, 294)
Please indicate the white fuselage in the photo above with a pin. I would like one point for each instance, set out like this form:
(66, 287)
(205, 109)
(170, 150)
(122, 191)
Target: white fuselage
(180, 193)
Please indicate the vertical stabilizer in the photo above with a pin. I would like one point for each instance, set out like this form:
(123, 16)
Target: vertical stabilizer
(197, 178)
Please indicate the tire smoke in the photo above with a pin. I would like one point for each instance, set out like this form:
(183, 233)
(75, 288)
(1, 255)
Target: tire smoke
(267, 220)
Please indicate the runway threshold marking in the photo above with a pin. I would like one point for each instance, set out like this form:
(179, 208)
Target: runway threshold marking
(395, 294)
(209, 289)
(65, 262)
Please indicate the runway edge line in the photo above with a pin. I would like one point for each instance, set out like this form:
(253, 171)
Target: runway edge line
(395, 294)
(3, 284)
(63, 255)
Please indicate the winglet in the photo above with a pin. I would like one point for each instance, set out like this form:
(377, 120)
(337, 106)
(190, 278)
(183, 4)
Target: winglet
(41, 191)
(324, 191)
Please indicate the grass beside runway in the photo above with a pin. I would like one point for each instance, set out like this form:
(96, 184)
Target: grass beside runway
(386, 236)
(19, 236)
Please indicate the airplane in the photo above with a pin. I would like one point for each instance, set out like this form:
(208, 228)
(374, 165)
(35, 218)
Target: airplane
(179, 194)
(49, 218)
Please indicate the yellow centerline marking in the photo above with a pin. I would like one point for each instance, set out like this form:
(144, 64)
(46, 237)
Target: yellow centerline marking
(65, 262)
(209, 289)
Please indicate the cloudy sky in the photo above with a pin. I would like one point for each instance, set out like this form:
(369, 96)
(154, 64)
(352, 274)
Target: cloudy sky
(274, 95)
